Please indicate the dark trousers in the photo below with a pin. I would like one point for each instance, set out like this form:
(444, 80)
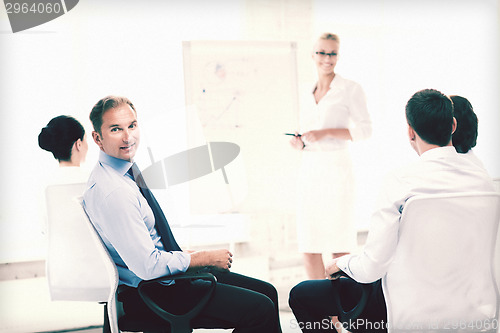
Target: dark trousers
(238, 301)
(312, 304)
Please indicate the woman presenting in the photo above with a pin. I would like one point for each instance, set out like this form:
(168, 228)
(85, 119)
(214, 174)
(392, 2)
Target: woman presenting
(333, 113)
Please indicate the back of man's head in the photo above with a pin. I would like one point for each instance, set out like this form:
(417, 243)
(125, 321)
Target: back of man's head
(103, 105)
(430, 113)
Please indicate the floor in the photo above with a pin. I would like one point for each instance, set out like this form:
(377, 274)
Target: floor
(287, 325)
(25, 307)
(25, 304)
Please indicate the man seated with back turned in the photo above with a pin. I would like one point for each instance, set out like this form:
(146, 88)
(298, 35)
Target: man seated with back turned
(440, 169)
(139, 239)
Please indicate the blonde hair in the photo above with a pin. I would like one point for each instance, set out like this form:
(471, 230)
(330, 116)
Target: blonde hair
(330, 36)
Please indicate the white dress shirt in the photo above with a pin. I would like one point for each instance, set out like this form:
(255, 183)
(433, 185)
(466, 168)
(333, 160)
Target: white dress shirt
(438, 170)
(473, 158)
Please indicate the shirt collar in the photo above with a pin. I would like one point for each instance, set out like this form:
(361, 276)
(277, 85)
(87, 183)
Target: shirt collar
(337, 81)
(121, 166)
(439, 152)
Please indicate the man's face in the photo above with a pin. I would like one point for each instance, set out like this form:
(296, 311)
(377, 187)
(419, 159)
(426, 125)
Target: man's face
(120, 133)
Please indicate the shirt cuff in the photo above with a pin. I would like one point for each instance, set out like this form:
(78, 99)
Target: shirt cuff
(343, 264)
(180, 264)
(186, 260)
(357, 133)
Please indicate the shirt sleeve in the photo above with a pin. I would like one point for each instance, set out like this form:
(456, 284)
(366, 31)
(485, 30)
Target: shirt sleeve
(372, 264)
(361, 127)
(126, 230)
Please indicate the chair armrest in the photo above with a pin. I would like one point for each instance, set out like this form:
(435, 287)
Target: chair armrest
(355, 312)
(176, 320)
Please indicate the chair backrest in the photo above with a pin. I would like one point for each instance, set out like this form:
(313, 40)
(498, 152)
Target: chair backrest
(496, 181)
(78, 265)
(442, 272)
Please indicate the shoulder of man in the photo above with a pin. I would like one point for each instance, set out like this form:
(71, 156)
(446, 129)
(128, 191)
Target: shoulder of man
(105, 181)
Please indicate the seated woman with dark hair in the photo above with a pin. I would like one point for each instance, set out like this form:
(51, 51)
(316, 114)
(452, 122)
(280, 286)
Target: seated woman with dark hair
(65, 138)
(465, 136)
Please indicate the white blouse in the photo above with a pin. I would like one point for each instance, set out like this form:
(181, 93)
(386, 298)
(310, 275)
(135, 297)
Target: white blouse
(343, 106)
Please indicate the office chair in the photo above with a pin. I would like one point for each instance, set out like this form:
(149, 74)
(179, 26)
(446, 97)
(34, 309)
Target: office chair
(496, 181)
(442, 276)
(79, 268)
(351, 315)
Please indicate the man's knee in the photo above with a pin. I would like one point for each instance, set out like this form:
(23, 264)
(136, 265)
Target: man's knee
(270, 291)
(266, 306)
(262, 313)
(298, 293)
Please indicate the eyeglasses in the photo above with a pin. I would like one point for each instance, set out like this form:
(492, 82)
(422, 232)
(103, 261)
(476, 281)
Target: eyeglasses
(324, 54)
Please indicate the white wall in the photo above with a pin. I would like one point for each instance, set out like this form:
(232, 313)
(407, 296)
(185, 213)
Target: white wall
(65, 66)
(393, 48)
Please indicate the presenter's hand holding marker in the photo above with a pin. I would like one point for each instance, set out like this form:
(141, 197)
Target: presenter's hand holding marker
(296, 142)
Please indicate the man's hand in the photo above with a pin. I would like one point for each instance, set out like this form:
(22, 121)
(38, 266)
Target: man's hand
(332, 268)
(220, 259)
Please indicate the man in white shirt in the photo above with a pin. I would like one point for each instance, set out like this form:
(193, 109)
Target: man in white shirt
(440, 169)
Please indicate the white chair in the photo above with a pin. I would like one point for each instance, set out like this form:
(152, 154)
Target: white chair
(497, 247)
(442, 277)
(79, 267)
(497, 183)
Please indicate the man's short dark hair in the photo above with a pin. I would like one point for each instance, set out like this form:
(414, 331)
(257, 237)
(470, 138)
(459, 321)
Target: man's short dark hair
(103, 105)
(430, 113)
(465, 135)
